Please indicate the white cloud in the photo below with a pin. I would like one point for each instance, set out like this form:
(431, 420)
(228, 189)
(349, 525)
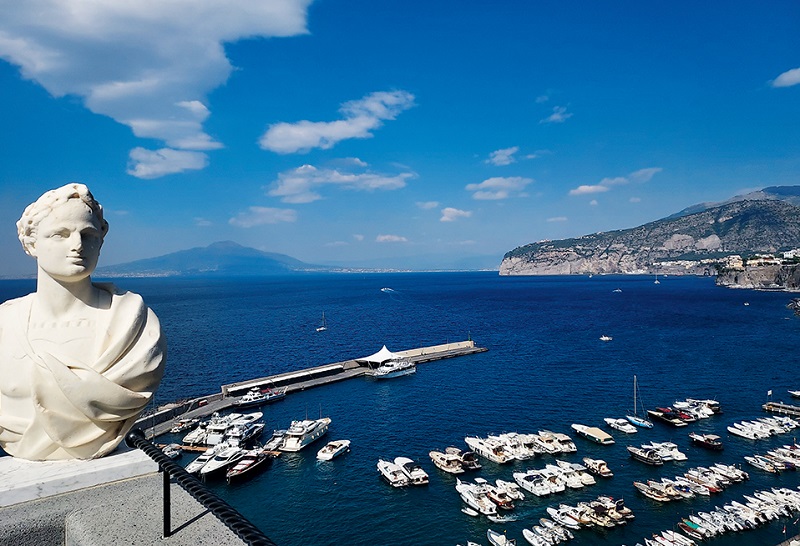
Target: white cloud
(504, 156)
(390, 239)
(586, 189)
(144, 163)
(427, 205)
(559, 115)
(641, 176)
(499, 187)
(360, 117)
(635, 199)
(449, 214)
(644, 175)
(557, 219)
(301, 185)
(202, 222)
(148, 64)
(542, 99)
(259, 216)
(358, 237)
(593, 202)
(335, 244)
(787, 79)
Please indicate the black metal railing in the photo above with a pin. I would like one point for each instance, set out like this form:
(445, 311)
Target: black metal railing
(224, 512)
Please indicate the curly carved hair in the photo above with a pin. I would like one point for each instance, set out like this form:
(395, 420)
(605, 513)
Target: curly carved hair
(36, 211)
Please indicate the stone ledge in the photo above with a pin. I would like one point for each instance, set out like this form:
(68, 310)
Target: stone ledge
(22, 481)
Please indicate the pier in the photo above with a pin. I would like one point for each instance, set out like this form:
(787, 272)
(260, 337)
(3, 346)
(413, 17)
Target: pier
(161, 421)
(782, 409)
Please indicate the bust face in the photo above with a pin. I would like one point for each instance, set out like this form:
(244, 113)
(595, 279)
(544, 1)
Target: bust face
(68, 241)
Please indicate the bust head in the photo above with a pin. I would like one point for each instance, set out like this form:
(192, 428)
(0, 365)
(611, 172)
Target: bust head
(64, 231)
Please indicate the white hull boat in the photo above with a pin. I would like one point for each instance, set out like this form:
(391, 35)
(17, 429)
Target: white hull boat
(333, 449)
(302, 433)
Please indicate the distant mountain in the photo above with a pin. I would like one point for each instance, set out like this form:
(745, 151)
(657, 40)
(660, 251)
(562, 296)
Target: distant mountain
(789, 194)
(676, 245)
(222, 258)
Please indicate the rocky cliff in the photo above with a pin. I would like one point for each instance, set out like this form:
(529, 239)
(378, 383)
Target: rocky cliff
(686, 244)
(764, 277)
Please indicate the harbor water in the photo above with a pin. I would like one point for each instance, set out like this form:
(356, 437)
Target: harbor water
(545, 368)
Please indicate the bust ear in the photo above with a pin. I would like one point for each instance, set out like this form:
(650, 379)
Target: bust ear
(30, 247)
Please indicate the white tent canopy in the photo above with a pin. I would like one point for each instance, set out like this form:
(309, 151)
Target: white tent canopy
(380, 357)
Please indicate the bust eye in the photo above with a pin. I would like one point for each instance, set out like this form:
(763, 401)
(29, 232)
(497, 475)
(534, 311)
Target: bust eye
(61, 234)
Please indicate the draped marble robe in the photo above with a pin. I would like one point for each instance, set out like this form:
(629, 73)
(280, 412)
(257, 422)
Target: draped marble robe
(67, 406)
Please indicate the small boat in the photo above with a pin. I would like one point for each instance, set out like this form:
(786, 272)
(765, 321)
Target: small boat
(635, 418)
(491, 449)
(258, 397)
(650, 492)
(470, 511)
(414, 472)
(622, 425)
(597, 467)
(605, 338)
(594, 434)
(241, 434)
(474, 496)
(468, 458)
(251, 461)
(499, 539)
(173, 451)
(333, 449)
(795, 394)
(226, 457)
(323, 325)
(448, 462)
(666, 416)
(647, 456)
(392, 473)
(708, 441)
(184, 425)
(302, 433)
(393, 368)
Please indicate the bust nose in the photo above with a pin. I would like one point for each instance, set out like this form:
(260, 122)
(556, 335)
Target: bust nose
(76, 241)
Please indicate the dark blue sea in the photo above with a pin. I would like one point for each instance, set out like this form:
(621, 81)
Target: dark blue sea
(545, 368)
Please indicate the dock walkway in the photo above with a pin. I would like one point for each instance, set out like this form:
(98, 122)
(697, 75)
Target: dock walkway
(160, 422)
(782, 409)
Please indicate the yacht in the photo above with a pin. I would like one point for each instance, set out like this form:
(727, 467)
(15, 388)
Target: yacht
(195, 466)
(241, 434)
(333, 449)
(598, 467)
(622, 425)
(224, 458)
(184, 425)
(218, 426)
(511, 489)
(475, 497)
(414, 472)
(256, 397)
(647, 456)
(468, 458)
(492, 450)
(667, 450)
(533, 482)
(302, 433)
(708, 441)
(249, 463)
(392, 473)
(393, 368)
(448, 462)
(594, 434)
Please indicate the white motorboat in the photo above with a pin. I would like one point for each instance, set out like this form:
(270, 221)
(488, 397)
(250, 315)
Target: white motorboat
(414, 472)
(533, 482)
(218, 426)
(392, 473)
(333, 449)
(511, 489)
(241, 434)
(594, 434)
(173, 451)
(598, 467)
(448, 462)
(226, 457)
(257, 397)
(499, 539)
(645, 455)
(605, 338)
(302, 433)
(622, 425)
(667, 450)
(199, 462)
(476, 497)
(492, 450)
(393, 368)
(468, 458)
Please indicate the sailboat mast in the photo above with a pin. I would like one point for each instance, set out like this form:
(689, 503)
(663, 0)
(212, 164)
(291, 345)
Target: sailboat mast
(634, 396)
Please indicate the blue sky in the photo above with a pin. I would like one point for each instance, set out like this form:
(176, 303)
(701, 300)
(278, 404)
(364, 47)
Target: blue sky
(399, 132)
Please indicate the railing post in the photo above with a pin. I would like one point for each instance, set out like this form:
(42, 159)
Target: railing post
(224, 512)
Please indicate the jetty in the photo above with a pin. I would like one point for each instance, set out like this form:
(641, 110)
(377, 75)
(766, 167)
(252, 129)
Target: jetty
(782, 409)
(159, 422)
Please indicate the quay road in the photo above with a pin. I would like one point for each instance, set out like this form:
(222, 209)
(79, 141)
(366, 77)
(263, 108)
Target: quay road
(161, 421)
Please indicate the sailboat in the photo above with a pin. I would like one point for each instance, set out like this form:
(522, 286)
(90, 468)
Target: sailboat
(323, 325)
(635, 419)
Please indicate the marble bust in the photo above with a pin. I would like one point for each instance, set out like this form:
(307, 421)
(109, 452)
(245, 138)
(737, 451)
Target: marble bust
(78, 361)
